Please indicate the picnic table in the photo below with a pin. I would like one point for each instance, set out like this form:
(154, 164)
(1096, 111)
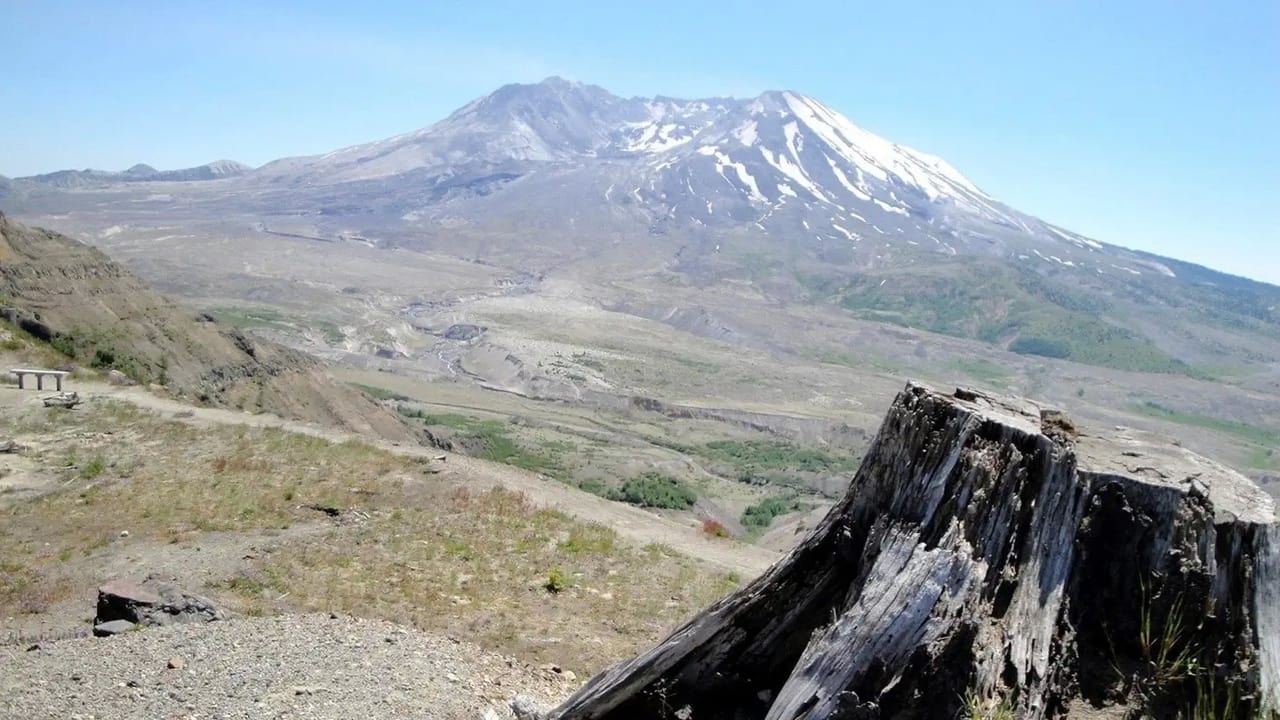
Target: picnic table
(22, 373)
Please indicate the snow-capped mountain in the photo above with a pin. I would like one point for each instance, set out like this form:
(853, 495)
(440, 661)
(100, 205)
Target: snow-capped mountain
(782, 164)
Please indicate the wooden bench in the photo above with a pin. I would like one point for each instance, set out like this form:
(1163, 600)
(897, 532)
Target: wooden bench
(22, 373)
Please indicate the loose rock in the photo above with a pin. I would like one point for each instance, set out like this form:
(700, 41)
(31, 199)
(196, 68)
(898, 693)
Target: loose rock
(113, 627)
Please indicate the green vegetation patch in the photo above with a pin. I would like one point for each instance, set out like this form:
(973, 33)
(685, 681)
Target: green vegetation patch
(489, 440)
(251, 318)
(378, 393)
(657, 491)
(1030, 313)
(105, 349)
(761, 515)
(765, 460)
(262, 318)
(982, 370)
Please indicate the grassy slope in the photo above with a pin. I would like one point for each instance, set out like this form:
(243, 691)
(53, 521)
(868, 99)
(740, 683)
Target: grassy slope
(413, 547)
(1261, 443)
(1009, 306)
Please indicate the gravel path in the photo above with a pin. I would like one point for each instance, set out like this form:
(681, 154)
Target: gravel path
(299, 667)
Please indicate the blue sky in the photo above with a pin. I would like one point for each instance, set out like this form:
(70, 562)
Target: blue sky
(1142, 123)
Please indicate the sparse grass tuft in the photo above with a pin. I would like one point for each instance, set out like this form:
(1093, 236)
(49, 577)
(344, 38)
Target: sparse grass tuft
(978, 708)
(590, 538)
(92, 469)
(1163, 641)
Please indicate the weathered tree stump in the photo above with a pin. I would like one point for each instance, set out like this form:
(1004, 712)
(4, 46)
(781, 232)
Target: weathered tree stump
(989, 560)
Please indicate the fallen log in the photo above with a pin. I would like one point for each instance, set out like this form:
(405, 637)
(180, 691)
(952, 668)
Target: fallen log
(989, 560)
(66, 400)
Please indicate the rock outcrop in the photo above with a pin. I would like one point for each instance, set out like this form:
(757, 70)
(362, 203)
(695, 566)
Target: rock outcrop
(991, 560)
(124, 605)
(73, 296)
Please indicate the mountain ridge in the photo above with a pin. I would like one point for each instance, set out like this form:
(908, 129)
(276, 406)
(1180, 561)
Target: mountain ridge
(140, 172)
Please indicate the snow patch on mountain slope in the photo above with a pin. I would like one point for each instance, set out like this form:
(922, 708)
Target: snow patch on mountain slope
(748, 183)
(1075, 238)
(654, 138)
(844, 180)
(794, 143)
(747, 133)
(795, 172)
(889, 208)
(844, 231)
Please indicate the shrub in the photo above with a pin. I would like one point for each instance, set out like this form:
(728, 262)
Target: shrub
(714, 528)
(103, 358)
(92, 469)
(1040, 346)
(761, 514)
(64, 344)
(557, 581)
(657, 491)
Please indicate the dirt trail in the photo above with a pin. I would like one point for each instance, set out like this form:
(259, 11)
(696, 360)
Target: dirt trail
(634, 524)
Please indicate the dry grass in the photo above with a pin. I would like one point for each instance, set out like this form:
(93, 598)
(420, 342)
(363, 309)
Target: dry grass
(406, 546)
(476, 565)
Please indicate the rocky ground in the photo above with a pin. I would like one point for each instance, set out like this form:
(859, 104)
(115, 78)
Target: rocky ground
(298, 666)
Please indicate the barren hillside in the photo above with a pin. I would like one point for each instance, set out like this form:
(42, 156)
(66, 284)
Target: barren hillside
(97, 313)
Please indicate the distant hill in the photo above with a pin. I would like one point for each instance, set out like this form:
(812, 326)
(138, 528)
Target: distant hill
(140, 173)
(97, 313)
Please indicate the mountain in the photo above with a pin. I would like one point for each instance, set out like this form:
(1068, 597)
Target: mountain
(92, 309)
(783, 160)
(779, 191)
(140, 173)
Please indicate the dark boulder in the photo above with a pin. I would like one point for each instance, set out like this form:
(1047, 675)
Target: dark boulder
(463, 332)
(153, 602)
